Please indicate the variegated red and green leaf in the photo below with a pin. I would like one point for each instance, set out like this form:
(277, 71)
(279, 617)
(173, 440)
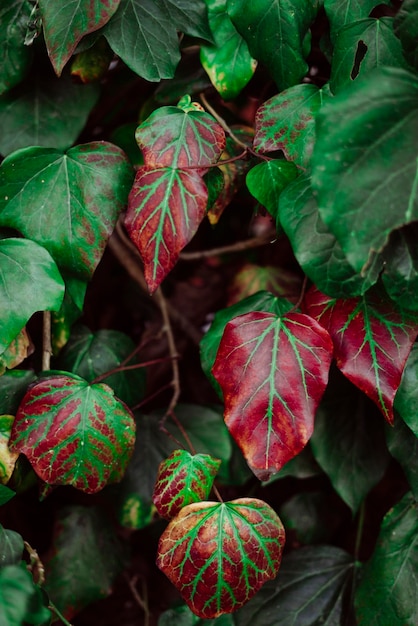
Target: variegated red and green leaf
(372, 341)
(74, 433)
(182, 479)
(273, 372)
(219, 555)
(165, 208)
(173, 137)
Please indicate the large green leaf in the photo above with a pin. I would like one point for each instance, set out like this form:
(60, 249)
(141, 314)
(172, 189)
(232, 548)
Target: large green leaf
(86, 558)
(144, 33)
(403, 446)
(389, 586)
(406, 399)
(268, 179)
(74, 433)
(67, 202)
(274, 31)
(219, 555)
(21, 601)
(65, 22)
(227, 61)
(11, 547)
(43, 112)
(342, 12)
(367, 134)
(29, 282)
(15, 57)
(406, 28)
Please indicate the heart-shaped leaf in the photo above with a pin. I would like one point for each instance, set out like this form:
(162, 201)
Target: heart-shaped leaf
(15, 57)
(371, 340)
(342, 12)
(183, 478)
(268, 179)
(273, 372)
(219, 555)
(11, 547)
(74, 433)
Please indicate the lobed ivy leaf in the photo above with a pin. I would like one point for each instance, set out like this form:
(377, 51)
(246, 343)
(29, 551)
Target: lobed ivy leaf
(219, 555)
(21, 601)
(388, 586)
(68, 203)
(372, 341)
(183, 478)
(274, 31)
(74, 433)
(403, 446)
(11, 547)
(342, 12)
(273, 372)
(406, 24)
(406, 399)
(15, 57)
(65, 22)
(29, 265)
(268, 179)
(7, 458)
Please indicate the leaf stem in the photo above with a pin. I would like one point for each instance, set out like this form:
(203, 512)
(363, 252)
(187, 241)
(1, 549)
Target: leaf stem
(255, 242)
(183, 432)
(301, 296)
(360, 527)
(58, 613)
(125, 368)
(46, 341)
(143, 603)
(167, 329)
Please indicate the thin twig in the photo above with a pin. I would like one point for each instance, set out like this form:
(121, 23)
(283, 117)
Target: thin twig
(46, 341)
(58, 613)
(151, 397)
(159, 296)
(301, 296)
(255, 242)
(217, 494)
(183, 432)
(127, 368)
(143, 604)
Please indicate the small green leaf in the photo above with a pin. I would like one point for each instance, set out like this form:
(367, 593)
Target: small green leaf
(406, 399)
(267, 180)
(6, 494)
(11, 547)
(406, 27)
(15, 57)
(25, 263)
(252, 278)
(342, 12)
(7, 458)
(403, 446)
(388, 588)
(21, 600)
(92, 64)
(16, 352)
(219, 555)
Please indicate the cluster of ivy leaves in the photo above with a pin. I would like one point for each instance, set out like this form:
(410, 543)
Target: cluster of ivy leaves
(129, 124)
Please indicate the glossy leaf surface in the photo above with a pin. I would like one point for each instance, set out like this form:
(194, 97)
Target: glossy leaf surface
(268, 179)
(406, 25)
(273, 372)
(406, 400)
(25, 263)
(21, 601)
(7, 458)
(219, 555)
(67, 202)
(371, 340)
(11, 547)
(15, 57)
(74, 433)
(183, 478)
(342, 12)
(65, 22)
(388, 587)
(374, 147)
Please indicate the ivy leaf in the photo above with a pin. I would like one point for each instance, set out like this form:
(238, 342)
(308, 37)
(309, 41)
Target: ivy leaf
(67, 202)
(25, 263)
(406, 400)
(85, 561)
(287, 122)
(11, 547)
(65, 22)
(165, 208)
(13, 386)
(388, 586)
(403, 446)
(400, 272)
(372, 341)
(375, 147)
(74, 433)
(183, 616)
(6, 494)
(143, 33)
(406, 24)
(342, 12)
(273, 372)
(362, 46)
(7, 458)
(183, 478)
(15, 57)
(274, 31)
(219, 555)
(311, 517)
(228, 61)
(267, 180)
(252, 278)
(92, 64)
(21, 600)
(16, 352)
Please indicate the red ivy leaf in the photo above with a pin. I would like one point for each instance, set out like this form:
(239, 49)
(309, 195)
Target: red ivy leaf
(273, 372)
(165, 208)
(183, 478)
(371, 339)
(219, 555)
(74, 433)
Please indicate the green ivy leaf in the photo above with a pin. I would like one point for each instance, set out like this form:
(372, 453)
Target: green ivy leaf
(86, 559)
(374, 147)
(67, 202)
(21, 600)
(406, 399)
(362, 46)
(406, 27)
(7, 458)
(13, 386)
(342, 12)
(74, 433)
(11, 547)
(65, 22)
(268, 179)
(388, 588)
(15, 57)
(25, 263)
(400, 272)
(16, 352)
(275, 31)
(150, 26)
(42, 112)
(403, 446)
(228, 61)
(227, 550)
(6, 494)
(311, 516)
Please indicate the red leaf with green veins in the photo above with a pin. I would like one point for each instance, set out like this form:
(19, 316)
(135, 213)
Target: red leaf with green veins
(74, 433)
(371, 340)
(219, 555)
(182, 479)
(165, 208)
(172, 137)
(273, 372)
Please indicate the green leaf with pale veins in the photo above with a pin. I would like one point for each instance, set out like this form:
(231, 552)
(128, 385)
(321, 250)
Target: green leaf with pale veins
(389, 585)
(29, 282)
(342, 12)
(69, 203)
(15, 57)
(406, 28)
(268, 179)
(367, 134)
(21, 601)
(65, 22)
(275, 31)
